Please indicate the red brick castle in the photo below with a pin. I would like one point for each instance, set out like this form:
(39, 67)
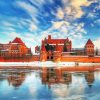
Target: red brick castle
(54, 49)
(51, 49)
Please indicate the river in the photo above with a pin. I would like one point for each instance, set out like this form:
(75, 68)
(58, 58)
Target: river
(49, 84)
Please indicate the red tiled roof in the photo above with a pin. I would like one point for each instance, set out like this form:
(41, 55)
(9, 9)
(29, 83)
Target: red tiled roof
(89, 42)
(58, 41)
(18, 40)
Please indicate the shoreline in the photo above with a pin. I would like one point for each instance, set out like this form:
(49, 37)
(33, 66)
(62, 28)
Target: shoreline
(35, 58)
(62, 68)
(48, 64)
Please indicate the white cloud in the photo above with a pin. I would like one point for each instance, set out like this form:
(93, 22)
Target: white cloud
(64, 29)
(39, 3)
(97, 21)
(72, 9)
(31, 10)
(60, 13)
(91, 15)
(97, 43)
(32, 27)
(28, 7)
(58, 24)
(12, 35)
(23, 22)
(18, 23)
(7, 24)
(33, 13)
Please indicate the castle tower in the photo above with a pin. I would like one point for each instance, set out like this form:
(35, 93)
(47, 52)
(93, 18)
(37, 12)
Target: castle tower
(57, 54)
(49, 37)
(43, 53)
(64, 48)
(68, 44)
(89, 48)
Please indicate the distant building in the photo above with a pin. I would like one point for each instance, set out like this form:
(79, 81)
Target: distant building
(37, 49)
(16, 48)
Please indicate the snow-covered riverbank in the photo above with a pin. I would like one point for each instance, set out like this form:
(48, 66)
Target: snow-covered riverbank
(47, 64)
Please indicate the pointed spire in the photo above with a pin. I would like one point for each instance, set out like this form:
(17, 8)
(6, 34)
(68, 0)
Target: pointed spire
(9, 42)
(43, 48)
(89, 42)
(49, 37)
(67, 39)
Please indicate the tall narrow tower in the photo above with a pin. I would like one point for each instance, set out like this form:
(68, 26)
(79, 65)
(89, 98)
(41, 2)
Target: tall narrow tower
(43, 53)
(89, 48)
(57, 54)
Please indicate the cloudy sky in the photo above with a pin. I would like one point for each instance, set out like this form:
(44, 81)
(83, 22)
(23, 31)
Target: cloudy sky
(33, 20)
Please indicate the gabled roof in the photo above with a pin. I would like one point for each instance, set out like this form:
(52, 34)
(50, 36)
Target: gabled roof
(18, 40)
(89, 42)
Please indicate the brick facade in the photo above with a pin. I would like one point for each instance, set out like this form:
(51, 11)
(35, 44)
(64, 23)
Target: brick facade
(16, 48)
(89, 48)
(55, 49)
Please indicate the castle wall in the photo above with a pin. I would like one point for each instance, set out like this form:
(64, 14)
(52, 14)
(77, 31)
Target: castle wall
(80, 59)
(20, 59)
(43, 56)
(57, 56)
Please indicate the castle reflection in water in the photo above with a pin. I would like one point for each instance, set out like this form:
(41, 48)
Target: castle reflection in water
(52, 76)
(14, 78)
(49, 76)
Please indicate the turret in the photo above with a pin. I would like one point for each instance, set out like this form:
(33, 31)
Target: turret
(57, 54)
(49, 37)
(43, 53)
(89, 48)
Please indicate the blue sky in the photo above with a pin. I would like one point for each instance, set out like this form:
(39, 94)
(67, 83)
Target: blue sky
(33, 20)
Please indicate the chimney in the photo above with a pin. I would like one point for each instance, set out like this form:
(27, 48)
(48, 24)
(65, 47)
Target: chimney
(49, 37)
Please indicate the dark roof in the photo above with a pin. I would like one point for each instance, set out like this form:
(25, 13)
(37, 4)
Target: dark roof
(89, 42)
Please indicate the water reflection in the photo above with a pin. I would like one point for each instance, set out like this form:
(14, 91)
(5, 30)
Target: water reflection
(16, 78)
(55, 76)
(89, 78)
(49, 83)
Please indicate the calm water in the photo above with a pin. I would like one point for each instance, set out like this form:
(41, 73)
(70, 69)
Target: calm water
(49, 84)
